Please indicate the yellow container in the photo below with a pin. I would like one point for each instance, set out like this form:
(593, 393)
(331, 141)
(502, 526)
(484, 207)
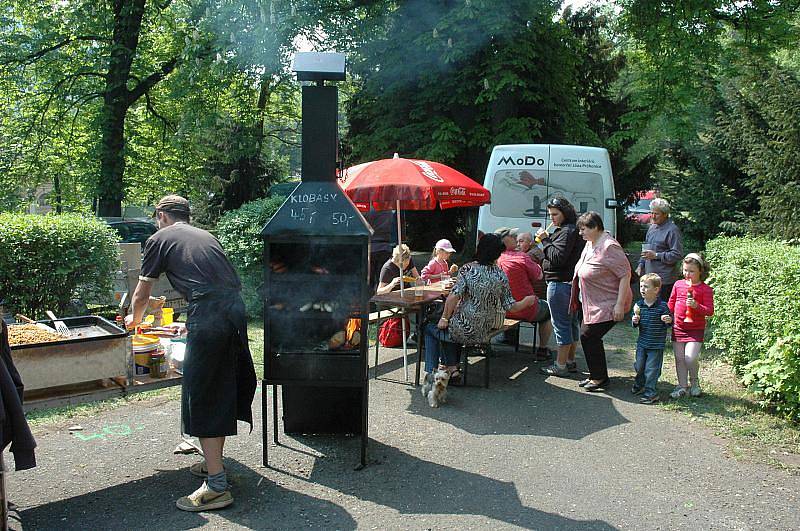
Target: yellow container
(166, 316)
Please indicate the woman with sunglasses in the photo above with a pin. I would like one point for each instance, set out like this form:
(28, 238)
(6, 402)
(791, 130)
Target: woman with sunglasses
(562, 249)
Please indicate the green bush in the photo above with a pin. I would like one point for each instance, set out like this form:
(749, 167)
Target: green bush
(47, 260)
(239, 233)
(776, 377)
(757, 300)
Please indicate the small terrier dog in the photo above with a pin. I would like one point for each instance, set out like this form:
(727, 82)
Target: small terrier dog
(435, 387)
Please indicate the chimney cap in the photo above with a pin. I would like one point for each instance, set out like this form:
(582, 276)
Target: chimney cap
(318, 66)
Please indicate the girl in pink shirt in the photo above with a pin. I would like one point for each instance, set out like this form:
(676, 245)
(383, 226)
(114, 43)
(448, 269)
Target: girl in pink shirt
(691, 301)
(603, 275)
(438, 264)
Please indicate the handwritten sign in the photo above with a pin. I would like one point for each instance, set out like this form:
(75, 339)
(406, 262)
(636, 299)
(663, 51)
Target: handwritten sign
(314, 208)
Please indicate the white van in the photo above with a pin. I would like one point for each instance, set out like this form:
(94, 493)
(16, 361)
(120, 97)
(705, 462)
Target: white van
(523, 177)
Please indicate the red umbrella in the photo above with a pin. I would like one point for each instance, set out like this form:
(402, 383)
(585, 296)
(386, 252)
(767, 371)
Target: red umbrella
(410, 184)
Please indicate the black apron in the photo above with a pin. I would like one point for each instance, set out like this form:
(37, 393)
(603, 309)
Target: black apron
(219, 380)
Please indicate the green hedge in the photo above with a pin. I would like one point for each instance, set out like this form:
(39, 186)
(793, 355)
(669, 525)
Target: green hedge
(47, 260)
(757, 316)
(239, 233)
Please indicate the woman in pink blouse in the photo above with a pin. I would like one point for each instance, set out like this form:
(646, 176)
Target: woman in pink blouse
(603, 274)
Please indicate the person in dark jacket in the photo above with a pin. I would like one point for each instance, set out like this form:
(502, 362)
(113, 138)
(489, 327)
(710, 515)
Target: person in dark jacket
(219, 380)
(13, 424)
(562, 250)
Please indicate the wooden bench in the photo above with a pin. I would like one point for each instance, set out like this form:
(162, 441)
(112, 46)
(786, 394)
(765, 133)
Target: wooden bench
(486, 350)
(374, 317)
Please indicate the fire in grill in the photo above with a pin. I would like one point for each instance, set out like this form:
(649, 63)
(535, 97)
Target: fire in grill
(316, 257)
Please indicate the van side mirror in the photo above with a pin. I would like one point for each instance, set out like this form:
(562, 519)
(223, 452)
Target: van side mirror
(613, 203)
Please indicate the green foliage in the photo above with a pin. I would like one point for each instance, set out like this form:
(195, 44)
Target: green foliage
(757, 300)
(697, 74)
(206, 107)
(239, 233)
(447, 81)
(760, 132)
(47, 260)
(776, 377)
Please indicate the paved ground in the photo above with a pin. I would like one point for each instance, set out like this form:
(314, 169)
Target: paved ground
(529, 452)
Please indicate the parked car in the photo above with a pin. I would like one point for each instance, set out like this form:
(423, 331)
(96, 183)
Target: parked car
(132, 230)
(639, 211)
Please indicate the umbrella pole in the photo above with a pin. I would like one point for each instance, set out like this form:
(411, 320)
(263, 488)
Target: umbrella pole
(399, 241)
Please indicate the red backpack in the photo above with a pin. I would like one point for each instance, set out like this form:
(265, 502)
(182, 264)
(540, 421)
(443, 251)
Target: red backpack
(390, 334)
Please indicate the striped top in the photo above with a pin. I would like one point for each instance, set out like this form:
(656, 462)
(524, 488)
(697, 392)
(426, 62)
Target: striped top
(652, 330)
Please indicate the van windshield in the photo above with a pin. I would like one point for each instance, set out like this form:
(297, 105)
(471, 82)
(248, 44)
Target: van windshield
(524, 193)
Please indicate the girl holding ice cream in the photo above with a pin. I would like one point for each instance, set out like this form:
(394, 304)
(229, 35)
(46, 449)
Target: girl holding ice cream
(691, 301)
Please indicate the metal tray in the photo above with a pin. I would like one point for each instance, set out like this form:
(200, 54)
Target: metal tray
(84, 329)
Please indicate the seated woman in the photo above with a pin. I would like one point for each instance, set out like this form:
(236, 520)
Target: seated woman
(390, 272)
(433, 272)
(470, 308)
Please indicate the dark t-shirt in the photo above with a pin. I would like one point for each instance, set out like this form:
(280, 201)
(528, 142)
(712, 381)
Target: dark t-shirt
(390, 271)
(192, 259)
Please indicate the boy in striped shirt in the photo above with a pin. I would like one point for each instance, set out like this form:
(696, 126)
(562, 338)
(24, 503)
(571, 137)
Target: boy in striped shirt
(651, 316)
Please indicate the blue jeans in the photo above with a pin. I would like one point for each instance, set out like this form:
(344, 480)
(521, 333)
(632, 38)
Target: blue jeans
(439, 348)
(565, 326)
(648, 370)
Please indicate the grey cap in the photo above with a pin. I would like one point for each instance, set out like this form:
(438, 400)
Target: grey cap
(173, 203)
(502, 232)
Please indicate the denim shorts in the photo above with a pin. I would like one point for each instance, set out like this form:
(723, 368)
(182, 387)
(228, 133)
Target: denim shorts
(565, 326)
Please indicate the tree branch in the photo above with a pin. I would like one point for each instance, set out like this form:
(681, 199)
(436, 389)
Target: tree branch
(149, 106)
(150, 81)
(33, 57)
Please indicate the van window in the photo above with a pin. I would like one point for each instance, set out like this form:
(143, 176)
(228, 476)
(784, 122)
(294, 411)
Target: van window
(519, 194)
(583, 189)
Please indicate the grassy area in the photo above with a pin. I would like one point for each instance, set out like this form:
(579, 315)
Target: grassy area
(735, 415)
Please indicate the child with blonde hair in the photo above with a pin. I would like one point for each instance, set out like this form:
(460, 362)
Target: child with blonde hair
(651, 315)
(438, 265)
(691, 301)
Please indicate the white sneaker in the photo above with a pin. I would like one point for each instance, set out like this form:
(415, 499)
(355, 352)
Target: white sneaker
(678, 392)
(695, 390)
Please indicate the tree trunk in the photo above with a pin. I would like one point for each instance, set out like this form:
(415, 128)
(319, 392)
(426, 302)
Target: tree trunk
(116, 101)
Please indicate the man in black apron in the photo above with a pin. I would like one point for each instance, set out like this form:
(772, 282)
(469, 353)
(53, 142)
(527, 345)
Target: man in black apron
(219, 380)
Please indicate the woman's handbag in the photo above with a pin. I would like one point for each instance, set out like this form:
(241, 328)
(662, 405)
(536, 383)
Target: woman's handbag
(574, 297)
(433, 312)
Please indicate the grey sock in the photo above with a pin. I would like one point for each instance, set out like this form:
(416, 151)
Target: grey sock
(218, 482)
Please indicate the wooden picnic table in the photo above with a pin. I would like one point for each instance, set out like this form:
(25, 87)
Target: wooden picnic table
(400, 305)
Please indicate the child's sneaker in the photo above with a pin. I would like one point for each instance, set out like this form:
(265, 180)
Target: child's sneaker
(554, 370)
(678, 392)
(636, 390)
(572, 366)
(695, 390)
(648, 399)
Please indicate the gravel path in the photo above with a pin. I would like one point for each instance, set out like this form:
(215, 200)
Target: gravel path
(528, 452)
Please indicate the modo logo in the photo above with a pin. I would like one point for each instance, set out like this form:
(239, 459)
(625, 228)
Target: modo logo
(527, 160)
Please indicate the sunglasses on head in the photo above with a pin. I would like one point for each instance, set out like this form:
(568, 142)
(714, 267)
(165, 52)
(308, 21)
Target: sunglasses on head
(557, 202)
